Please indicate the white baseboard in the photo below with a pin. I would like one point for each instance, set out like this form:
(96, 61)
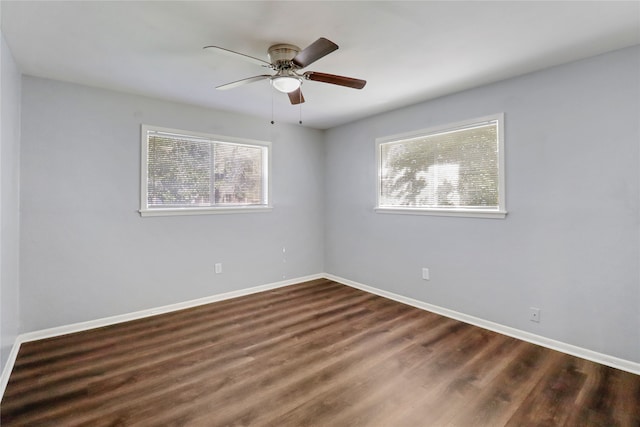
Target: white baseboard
(8, 366)
(112, 320)
(604, 359)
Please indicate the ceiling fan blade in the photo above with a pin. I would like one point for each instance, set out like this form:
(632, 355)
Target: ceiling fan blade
(335, 80)
(313, 52)
(238, 55)
(243, 82)
(296, 97)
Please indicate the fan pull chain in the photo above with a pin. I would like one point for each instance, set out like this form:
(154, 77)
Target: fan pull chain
(272, 122)
(300, 106)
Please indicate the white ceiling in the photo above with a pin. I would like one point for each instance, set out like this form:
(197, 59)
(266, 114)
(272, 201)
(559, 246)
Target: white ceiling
(407, 51)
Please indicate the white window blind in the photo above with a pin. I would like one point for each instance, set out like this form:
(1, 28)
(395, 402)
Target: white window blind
(187, 173)
(456, 170)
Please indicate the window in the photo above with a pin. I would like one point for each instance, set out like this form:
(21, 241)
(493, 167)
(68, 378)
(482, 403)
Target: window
(188, 173)
(456, 169)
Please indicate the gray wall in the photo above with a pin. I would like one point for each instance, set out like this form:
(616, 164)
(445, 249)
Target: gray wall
(9, 200)
(570, 243)
(86, 253)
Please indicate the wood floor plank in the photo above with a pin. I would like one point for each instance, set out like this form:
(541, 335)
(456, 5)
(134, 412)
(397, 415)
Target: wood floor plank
(351, 373)
(130, 369)
(516, 373)
(190, 335)
(68, 348)
(386, 403)
(317, 353)
(306, 372)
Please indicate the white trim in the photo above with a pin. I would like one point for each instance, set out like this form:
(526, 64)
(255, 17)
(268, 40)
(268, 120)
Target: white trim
(604, 359)
(594, 356)
(447, 127)
(442, 212)
(8, 366)
(501, 212)
(206, 210)
(112, 320)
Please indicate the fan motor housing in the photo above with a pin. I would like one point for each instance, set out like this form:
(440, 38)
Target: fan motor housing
(281, 55)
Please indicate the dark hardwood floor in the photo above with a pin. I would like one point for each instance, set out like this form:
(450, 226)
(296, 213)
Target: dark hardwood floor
(318, 353)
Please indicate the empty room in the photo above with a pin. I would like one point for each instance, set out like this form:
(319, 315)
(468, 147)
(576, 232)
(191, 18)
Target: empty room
(318, 213)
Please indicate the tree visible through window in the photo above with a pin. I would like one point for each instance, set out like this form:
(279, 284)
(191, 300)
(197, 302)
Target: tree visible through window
(179, 172)
(195, 172)
(456, 169)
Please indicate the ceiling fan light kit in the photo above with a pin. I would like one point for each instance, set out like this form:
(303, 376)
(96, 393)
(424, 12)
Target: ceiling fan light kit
(285, 84)
(286, 60)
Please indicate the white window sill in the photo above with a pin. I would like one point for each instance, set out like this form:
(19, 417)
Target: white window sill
(204, 211)
(443, 212)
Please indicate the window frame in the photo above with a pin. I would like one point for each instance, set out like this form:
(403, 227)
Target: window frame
(200, 210)
(500, 212)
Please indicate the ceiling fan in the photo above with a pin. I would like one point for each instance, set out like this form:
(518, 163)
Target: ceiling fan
(286, 60)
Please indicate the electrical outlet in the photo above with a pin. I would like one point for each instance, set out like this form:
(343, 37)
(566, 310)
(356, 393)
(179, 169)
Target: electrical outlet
(218, 267)
(425, 273)
(534, 314)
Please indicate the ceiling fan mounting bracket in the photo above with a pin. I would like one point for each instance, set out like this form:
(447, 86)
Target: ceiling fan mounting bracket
(281, 55)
